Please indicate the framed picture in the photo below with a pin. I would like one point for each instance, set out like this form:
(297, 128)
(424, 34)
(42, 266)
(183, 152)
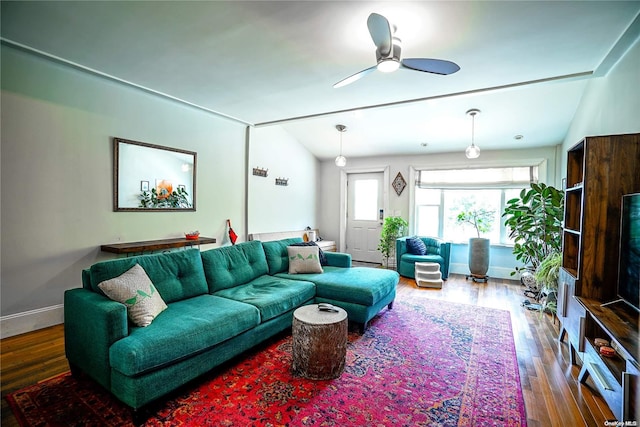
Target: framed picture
(144, 185)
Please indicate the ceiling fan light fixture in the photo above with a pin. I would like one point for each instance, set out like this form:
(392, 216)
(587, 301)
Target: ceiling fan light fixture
(341, 161)
(388, 65)
(472, 151)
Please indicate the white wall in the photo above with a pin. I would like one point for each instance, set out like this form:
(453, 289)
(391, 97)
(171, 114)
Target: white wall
(57, 129)
(281, 208)
(610, 104)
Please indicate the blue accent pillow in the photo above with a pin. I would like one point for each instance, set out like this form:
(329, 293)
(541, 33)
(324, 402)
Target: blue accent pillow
(416, 246)
(321, 255)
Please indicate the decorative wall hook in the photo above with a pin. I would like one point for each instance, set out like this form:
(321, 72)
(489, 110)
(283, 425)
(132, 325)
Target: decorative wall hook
(282, 181)
(260, 172)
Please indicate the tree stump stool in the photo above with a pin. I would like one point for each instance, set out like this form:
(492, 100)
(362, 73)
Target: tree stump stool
(319, 342)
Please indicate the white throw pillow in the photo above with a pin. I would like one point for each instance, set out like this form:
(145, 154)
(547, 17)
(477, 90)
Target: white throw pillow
(304, 259)
(134, 289)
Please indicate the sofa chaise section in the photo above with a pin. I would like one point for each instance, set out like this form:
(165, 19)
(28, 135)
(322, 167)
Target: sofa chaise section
(361, 291)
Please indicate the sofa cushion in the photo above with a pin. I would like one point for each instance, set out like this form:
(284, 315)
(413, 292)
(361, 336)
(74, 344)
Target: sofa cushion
(230, 266)
(273, 296)
(176, 275)
(134, 289)
(277, 254)
(360, 285)
(416, 246)
(304, 259)
(185, 328)
(321, 255)
(421, 258)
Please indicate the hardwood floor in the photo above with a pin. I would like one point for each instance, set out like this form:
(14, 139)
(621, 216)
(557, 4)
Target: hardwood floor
(553, 396)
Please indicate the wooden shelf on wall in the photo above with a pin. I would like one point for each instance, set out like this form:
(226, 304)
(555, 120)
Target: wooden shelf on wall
(154, 245)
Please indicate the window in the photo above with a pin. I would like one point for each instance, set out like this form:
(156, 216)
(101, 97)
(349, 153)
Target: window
(442, 194)
(366, 200)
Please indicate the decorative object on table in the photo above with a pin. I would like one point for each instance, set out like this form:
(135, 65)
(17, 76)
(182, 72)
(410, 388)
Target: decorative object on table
(282, 181)
(192, 235)
(607, 351)
(399, 184)
(232, 234)
(479, 247)
(399, 355)
(144, 185)
(260, 172)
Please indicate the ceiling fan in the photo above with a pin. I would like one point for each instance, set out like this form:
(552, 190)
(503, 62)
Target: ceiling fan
(388, 50)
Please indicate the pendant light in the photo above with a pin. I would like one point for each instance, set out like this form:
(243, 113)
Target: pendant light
(341, 160)
(473, 151)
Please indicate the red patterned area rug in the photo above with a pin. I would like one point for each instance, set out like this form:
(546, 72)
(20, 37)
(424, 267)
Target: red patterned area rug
(424, 363)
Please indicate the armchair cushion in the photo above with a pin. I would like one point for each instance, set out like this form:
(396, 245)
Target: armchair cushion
(416, 246)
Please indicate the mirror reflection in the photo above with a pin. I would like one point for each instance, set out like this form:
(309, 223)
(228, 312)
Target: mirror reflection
(151, 177)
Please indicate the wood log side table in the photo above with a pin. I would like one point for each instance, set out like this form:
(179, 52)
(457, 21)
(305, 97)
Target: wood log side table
(319, 342)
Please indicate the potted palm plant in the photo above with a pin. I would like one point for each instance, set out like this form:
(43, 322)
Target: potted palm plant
(479, 247)
(393, 227)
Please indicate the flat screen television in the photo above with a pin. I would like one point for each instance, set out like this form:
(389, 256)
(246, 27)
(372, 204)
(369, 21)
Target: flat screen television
(629, 261)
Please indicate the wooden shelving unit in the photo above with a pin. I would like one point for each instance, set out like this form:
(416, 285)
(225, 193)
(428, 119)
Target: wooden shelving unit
(600, 170)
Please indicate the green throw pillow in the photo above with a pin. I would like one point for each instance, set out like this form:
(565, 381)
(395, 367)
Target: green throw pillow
(134, 289)
(304, 259)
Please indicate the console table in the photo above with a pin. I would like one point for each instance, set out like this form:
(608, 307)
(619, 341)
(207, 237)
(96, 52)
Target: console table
(154, 245)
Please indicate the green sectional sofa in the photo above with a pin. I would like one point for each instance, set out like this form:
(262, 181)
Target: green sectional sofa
(219, 303)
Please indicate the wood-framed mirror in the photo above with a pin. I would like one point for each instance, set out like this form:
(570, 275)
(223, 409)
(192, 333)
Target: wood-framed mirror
(149, 177)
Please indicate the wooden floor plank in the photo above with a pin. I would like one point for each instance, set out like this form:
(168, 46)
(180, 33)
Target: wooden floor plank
(552, 394)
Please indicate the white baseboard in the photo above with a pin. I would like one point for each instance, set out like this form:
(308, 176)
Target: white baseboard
(28, 321)
(495, 272)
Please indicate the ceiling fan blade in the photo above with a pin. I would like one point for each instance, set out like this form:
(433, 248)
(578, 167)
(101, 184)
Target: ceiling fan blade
(354, 77)
(380, 31)
(435, 66)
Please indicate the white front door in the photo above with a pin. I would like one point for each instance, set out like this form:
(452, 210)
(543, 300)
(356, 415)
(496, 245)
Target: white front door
(364, 216)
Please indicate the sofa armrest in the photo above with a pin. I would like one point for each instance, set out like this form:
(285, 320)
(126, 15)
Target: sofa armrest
(401, 247)
(92, 323)
(338, 259)
(445, 253)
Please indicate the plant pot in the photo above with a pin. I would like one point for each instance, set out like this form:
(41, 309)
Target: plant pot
(479, 253)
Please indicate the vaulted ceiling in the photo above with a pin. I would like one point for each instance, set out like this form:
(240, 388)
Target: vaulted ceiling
(524, 64)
